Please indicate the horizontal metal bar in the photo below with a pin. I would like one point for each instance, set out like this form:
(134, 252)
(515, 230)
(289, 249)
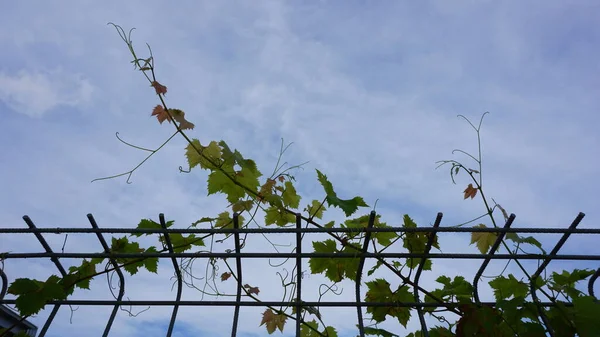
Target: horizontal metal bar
(59, 230)
(263, 303)
(303, 255)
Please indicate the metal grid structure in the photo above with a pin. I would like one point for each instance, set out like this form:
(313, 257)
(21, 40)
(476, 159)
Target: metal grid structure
(298, 255)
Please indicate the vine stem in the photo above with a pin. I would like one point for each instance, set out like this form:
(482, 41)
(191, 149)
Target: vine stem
(255, 194)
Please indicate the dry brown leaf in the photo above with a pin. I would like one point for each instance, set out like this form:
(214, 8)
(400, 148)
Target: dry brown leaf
(159, 88)
(273, 321)
(470, 191)
(503, 212)
(179, 116)
(185, 125)
(252, 290)
(225, 276)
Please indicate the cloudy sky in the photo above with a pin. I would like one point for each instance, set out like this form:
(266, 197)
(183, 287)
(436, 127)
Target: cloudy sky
(368, 92)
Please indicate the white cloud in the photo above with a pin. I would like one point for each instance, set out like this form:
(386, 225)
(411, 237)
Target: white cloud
(34, 93)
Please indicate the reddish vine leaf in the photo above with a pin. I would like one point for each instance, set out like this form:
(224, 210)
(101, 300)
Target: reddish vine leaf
(161, 114)
(273, 321)
(159, 88)
(251, 290)
(267, 188)
(484, 240)
(225, 276)
(470, 191)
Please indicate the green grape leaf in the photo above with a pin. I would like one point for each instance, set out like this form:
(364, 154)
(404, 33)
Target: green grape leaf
(349, 206)
(416, 243)
(529, 240)
(151, 263)
(375, 267)
(484, 240)
(202, 220)
(132, 265)
(349, 265)
(565, 281)
(248, 177)
(85, 270)
(335, 268)
(383, 238)
(219, 182)
(278, 216)
(440, 331)
(150, 224)
(379, 291)
(437, 331)
(315, 209)
(586, 316)
(182, 243)
(506, 287)
(309, 329)
(224, 220)
(378, 332)
(330, 332)
(208, 154)
(458, 287)
(289, 196)
(242, 205)
(561, 319)
(33, 294)
(328, 265)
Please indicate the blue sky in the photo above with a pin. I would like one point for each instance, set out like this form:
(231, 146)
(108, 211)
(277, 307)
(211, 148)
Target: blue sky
(368, 92)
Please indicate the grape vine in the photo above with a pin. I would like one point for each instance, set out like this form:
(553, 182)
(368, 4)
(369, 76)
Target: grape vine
(247, 191)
